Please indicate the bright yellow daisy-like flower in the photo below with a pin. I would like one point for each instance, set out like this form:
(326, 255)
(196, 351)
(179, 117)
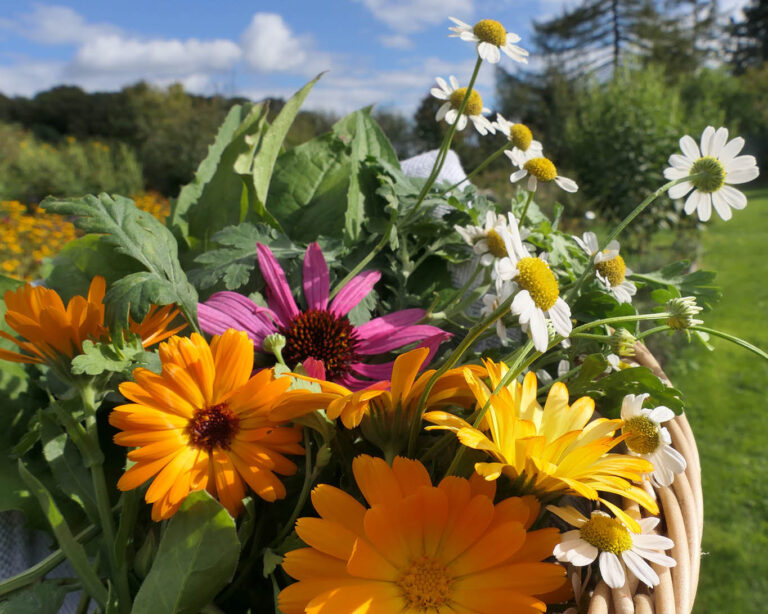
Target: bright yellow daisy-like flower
(398, 397)
(53, 333)
(550, 450)
(419, 548)
(203, 423)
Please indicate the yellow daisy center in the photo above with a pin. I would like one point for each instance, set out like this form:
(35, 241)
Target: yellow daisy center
(606, 534)
(425, 584)
(712, 174)
(614, 270)
(474, 103)
(541, 168)
(534, 275)
(644, 434)
(213, 427)
(496, 244)
(521, 136)
(490, 31)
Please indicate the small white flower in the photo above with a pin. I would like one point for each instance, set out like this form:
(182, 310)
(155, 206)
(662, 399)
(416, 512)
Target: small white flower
(614, 544)
(719, 166)
(491, 303)
(538, 297)
(454, 96)
(649, 440)
(520, 136)
(486, 241)
(610, 268)
(537, 169)
(491, 38)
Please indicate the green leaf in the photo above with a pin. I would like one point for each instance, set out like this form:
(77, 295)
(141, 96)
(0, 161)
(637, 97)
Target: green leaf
(196, 558)
(41, 598)
(67, 542)
(365, 136)
(98, 358)
(140, 236)
(696, 283)
(213, 199)
(610, 391)
(589, 370)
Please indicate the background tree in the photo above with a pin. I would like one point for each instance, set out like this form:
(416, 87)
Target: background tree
(750, 37)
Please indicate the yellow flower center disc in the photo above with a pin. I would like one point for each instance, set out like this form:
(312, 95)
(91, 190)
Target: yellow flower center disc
(496, 244)
(474, 104)
(712, 174)
(490, 31)
(541, 168)
(534, 275)
(644, 435)
(614, 270)
(521, 136)
(425, 584)
(606, 534)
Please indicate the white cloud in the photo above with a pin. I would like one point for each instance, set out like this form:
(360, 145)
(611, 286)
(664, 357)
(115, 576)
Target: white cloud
(58, 25)
(396, 41)
(168, 56)
(28, 77)
(408, 16)
(269, 45)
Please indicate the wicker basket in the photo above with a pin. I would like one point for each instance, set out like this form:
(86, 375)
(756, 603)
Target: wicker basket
(682, 514)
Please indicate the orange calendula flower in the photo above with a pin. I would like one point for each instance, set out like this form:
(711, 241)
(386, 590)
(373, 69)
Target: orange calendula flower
(51, 332)
(396, 398)
(552, 450)
(419, 548)
(203, 423)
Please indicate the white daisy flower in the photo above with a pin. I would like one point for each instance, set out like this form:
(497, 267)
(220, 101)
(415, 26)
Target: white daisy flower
(491, 39)
(719, 166)
(615, 363)
(538, 296)
(649, 440)
(454, 96)
(610, 268)
(491, 303)
(537, 169)
(486, 241)
(614, 544)
(520, 136)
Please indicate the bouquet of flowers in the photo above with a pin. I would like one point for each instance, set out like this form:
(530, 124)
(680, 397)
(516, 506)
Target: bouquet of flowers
(326, 386)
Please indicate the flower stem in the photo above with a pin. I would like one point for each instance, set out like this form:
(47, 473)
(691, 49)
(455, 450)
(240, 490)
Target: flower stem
(640, 317)
(652, 331)
(733, 339)
(525, 208)
(481, 166)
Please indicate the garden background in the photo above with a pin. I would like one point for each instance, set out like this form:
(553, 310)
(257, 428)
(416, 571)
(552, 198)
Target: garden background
(616, 83)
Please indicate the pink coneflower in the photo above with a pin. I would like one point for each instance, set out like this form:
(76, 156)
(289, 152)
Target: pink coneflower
(321, 336)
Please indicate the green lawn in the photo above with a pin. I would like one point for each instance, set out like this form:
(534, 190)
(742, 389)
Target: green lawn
(727, 392)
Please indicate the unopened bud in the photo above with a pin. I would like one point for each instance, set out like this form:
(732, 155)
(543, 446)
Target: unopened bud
(623, 343)
(682, 311)
(274, 344)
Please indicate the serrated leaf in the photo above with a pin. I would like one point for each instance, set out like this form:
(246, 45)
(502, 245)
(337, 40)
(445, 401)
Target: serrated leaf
(140, 236)
(40, 598)
(609, 391)
(365, 137)
(699, 284)
(197, 557)
(589, 370)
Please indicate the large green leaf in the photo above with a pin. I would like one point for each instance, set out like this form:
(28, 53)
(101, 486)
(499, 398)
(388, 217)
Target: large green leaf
(42, 598)
(212, 200)
(197, 557)
(365, 136)
(136, 234)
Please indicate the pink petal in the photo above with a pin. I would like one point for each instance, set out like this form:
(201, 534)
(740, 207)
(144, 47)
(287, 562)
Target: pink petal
(316, 284)
(382, 371)
(355, 291)
(314, 368)
(389, 324)
(231, 310)
(279, 295)
(353, 383)
(397, 338)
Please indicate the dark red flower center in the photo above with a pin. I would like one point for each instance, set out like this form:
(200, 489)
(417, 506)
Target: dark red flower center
(213, 427)
(321, 335)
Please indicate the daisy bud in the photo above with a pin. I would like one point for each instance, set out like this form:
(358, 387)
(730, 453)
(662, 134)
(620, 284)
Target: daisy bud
(274, 344)
(682, 311)
(623, 342)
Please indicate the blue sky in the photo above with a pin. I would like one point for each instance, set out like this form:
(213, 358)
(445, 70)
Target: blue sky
(376, 51)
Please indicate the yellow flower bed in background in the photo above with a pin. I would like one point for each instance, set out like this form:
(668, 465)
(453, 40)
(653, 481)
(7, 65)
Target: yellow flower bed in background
(28, 235)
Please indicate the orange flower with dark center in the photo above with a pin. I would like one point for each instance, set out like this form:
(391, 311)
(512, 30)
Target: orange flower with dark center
(419, 548)
(52, 332)
(203, 423)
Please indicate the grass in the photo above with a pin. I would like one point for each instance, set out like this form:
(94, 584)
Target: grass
(727, 393)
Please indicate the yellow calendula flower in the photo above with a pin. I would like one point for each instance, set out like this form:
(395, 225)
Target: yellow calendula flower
(551, 450)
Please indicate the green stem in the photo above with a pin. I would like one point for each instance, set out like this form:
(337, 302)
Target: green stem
(640, 317)
(466, 343)
(733, 339)
(481, 166)
(600, 338)
(652, 331)
(369, 256)
(525, 208)
(461, 292)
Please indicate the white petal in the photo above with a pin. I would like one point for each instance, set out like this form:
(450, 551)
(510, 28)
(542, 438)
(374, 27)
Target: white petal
(679, 162)
(569, 185)
(561, 317)
(706, 141)
(518, 175)
(539, 333)
(532, 183)
(640, 568)
(691, 203)
(439, 94)
(512, 38)
(462, 122)
(460, 23)
(647, 524)
(731, 150)
(743, 175)
(680, 190)
(611, 569)
(468, 36)
(441, 112)
(689, 148)
(454, 83)
(652, 542)
(583, 554)
(655, 557)
(733, 197)
(721, 206)
(675, 173)
(522, 305)
(489, 52)
(673, 459)
(704, 207)
(740, 163)
(661, 414)
(443, 85)
(718, 142)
